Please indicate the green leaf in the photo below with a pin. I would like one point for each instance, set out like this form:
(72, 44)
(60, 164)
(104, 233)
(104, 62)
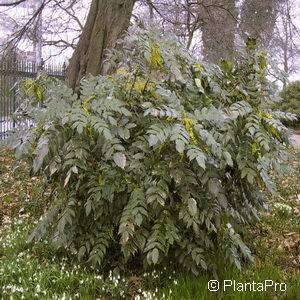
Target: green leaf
(214, 186)
(228, 158)
(223, 200)
(81, 252)
(199, 85)
(37, 163)
(179, 144)
(201, 160)
(198, 82)
(67, 179)
(155, 255)
(192, 206)
(88, 207)
(203, 264)
(119, 159)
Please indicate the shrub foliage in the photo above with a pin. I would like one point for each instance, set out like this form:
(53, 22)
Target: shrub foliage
(291, 100)
(160, 163)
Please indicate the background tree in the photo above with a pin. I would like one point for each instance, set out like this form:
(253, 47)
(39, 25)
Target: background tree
(219, 25)
(35, 24)
(258, 19)
(286, 39)
(106, 21)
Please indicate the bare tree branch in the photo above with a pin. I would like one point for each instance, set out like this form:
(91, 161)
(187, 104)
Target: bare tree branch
(58, 43)
(67, 10)
(12, 3)
(17, 36)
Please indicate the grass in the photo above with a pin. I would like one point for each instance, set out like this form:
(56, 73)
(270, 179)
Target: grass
(41, 272)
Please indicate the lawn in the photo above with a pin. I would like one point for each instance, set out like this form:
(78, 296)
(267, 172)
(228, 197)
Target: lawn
(38, 271)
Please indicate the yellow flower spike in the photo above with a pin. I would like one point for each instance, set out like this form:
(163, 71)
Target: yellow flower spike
(267, 115)
(140, 86)
(170, 119)
(85, 102)
(121, 72)
(189, 124)
(181, 156)
(156, 60)
(262, 60)
(255, 149)
(90, 131)
(275, 133)
(207, 149)
(201, 67)
(111, 77)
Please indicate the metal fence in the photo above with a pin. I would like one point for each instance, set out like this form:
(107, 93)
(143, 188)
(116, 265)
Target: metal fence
(12, 72)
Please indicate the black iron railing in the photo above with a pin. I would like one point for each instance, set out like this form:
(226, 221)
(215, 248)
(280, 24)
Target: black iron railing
(12, 72)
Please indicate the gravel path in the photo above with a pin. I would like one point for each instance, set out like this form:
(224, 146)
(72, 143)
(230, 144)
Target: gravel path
(296, 140)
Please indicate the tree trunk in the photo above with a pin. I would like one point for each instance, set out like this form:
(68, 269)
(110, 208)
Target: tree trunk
(258, 19)
(106, 21)
(219, 26)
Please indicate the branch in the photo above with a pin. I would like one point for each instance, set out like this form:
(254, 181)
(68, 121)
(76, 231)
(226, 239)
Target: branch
(58, 42)
(22, 32)
(12, 3)
(66, 10)
(57, 54)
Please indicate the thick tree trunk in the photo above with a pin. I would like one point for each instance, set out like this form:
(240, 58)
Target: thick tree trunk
(219, 26)
(106, 21)
(259, 19)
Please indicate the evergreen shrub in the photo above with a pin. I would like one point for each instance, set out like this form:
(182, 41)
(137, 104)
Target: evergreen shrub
(162, 162)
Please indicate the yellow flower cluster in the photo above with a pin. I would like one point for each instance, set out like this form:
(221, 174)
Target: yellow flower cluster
(156, 60)
(189, 124)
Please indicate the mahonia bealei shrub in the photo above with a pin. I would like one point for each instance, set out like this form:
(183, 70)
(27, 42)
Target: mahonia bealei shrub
(160, 163)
